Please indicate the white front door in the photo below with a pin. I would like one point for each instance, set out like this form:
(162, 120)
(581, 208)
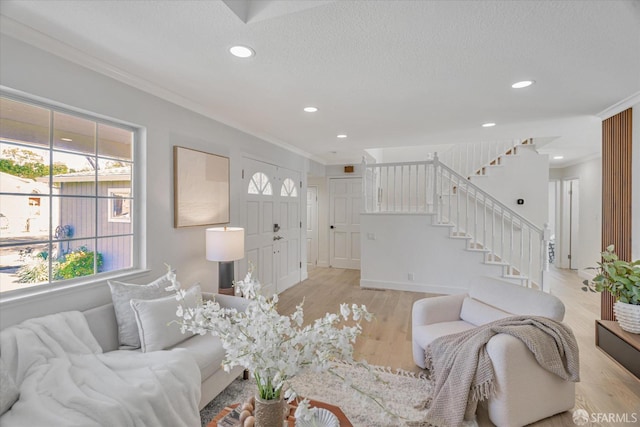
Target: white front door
(345, 200)
(312, 227)
(271, 217)
(289, 268)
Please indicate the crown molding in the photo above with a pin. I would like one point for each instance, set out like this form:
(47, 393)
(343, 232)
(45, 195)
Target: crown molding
(620, 106)
(12, 28)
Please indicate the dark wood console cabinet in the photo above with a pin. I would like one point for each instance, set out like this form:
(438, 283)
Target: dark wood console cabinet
(621, 346)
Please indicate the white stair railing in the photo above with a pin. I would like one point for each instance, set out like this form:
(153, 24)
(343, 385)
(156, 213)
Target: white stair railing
(489, 226)
(400, 187)
(471, 159)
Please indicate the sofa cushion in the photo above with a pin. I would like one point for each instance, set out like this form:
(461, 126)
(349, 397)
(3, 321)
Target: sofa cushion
(9, 393)
(208, 352)
(478, 313)
(424, 335)
(122, 294)
(516, 299)
(157, 319)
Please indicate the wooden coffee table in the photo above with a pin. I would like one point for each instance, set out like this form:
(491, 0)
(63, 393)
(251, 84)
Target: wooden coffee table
(291, 420)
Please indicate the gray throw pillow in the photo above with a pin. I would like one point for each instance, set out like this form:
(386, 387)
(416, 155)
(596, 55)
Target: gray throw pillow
(122, 294)
(9, 393)
(158, 322)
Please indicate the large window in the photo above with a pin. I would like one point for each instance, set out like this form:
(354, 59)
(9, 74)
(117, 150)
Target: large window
(66, 195)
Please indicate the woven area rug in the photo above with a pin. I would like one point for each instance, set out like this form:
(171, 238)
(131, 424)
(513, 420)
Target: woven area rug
(399, 390)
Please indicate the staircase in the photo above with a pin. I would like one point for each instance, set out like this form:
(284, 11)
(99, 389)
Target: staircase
(475, 159)
(502, 238)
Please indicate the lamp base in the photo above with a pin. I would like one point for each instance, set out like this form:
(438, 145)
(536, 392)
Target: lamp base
(226, 291)
(225, 276)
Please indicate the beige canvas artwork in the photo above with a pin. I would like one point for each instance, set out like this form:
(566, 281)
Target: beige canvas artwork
(201, 188)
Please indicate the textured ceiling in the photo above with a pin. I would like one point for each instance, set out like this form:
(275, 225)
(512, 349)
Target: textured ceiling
(387, 73)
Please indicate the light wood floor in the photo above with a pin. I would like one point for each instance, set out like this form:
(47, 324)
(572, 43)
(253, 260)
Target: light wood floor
(605, 387)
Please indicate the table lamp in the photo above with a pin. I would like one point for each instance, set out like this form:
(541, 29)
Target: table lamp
(225, 245)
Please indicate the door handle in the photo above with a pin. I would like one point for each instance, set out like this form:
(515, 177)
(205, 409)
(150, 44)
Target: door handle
(278, 237)
(332, 227)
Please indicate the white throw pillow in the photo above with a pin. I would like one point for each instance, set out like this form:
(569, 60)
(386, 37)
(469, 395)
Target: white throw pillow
(9, 393)
(157, 320)
(478, 313)
(121, 295)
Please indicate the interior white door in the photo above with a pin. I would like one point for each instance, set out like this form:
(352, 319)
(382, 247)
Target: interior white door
(574, 218)
(312, 227)
(345, 201)
(271, 217)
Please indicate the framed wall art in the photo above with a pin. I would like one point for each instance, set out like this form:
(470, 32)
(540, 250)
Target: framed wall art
(200, 188)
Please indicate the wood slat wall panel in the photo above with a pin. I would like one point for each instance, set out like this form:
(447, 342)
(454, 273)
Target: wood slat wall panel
(616, 192)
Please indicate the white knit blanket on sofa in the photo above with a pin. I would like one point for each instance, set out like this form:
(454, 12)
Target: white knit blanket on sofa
(65, 380)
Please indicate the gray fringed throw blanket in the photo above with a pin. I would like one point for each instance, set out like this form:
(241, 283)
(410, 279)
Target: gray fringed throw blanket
(462, 372)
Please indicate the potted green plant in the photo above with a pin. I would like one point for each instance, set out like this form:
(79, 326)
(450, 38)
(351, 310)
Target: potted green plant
(622, 280)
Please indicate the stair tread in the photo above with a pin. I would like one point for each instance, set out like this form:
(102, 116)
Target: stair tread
(497, 263)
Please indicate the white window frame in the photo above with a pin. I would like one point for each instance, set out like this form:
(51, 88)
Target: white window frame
(138, 186)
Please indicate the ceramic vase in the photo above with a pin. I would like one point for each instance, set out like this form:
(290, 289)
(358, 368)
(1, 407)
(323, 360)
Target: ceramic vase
(269, 413)
(628, 316)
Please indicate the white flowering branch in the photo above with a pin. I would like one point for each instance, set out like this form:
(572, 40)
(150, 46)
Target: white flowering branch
(272, 346)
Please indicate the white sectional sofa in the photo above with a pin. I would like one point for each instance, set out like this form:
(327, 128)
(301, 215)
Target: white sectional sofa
(206, 349)
(76, 372)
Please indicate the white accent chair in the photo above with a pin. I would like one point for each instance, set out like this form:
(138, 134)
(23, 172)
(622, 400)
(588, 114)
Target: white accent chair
(525, 392)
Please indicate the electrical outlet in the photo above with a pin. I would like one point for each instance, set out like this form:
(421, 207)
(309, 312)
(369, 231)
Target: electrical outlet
(410, 277)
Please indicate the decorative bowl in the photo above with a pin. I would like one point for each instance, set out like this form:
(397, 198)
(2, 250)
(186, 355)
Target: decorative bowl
(322, 418)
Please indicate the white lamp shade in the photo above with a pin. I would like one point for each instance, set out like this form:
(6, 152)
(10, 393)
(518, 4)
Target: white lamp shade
(225, 244)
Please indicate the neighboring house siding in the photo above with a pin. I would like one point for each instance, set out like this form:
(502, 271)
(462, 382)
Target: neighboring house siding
(78, 212)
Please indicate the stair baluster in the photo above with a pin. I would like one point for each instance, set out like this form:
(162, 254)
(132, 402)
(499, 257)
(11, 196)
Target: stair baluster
(504, 236)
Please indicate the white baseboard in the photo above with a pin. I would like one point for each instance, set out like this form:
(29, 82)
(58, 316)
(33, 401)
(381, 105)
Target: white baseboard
(304, 276)
(322, 264)
(411, 287)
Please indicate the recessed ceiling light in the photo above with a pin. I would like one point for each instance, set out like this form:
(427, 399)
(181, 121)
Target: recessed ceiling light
(522, 84)
(242, 51)
(558, 157)
(342, 136)
(66, 139)
(310, 109)
(488, 125)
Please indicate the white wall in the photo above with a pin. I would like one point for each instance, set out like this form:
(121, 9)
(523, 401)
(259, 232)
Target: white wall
(635, 185)
(587, 250)
(36, 72)
(395, 245)
(524, 176)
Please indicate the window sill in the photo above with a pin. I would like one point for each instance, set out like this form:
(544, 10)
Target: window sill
(25, 296)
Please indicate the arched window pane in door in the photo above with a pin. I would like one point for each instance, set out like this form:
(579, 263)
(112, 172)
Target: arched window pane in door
(289, 188)
(259, 184)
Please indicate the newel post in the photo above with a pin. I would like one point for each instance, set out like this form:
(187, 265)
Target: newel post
(546, 238)
(364, 184)
(436, 200)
